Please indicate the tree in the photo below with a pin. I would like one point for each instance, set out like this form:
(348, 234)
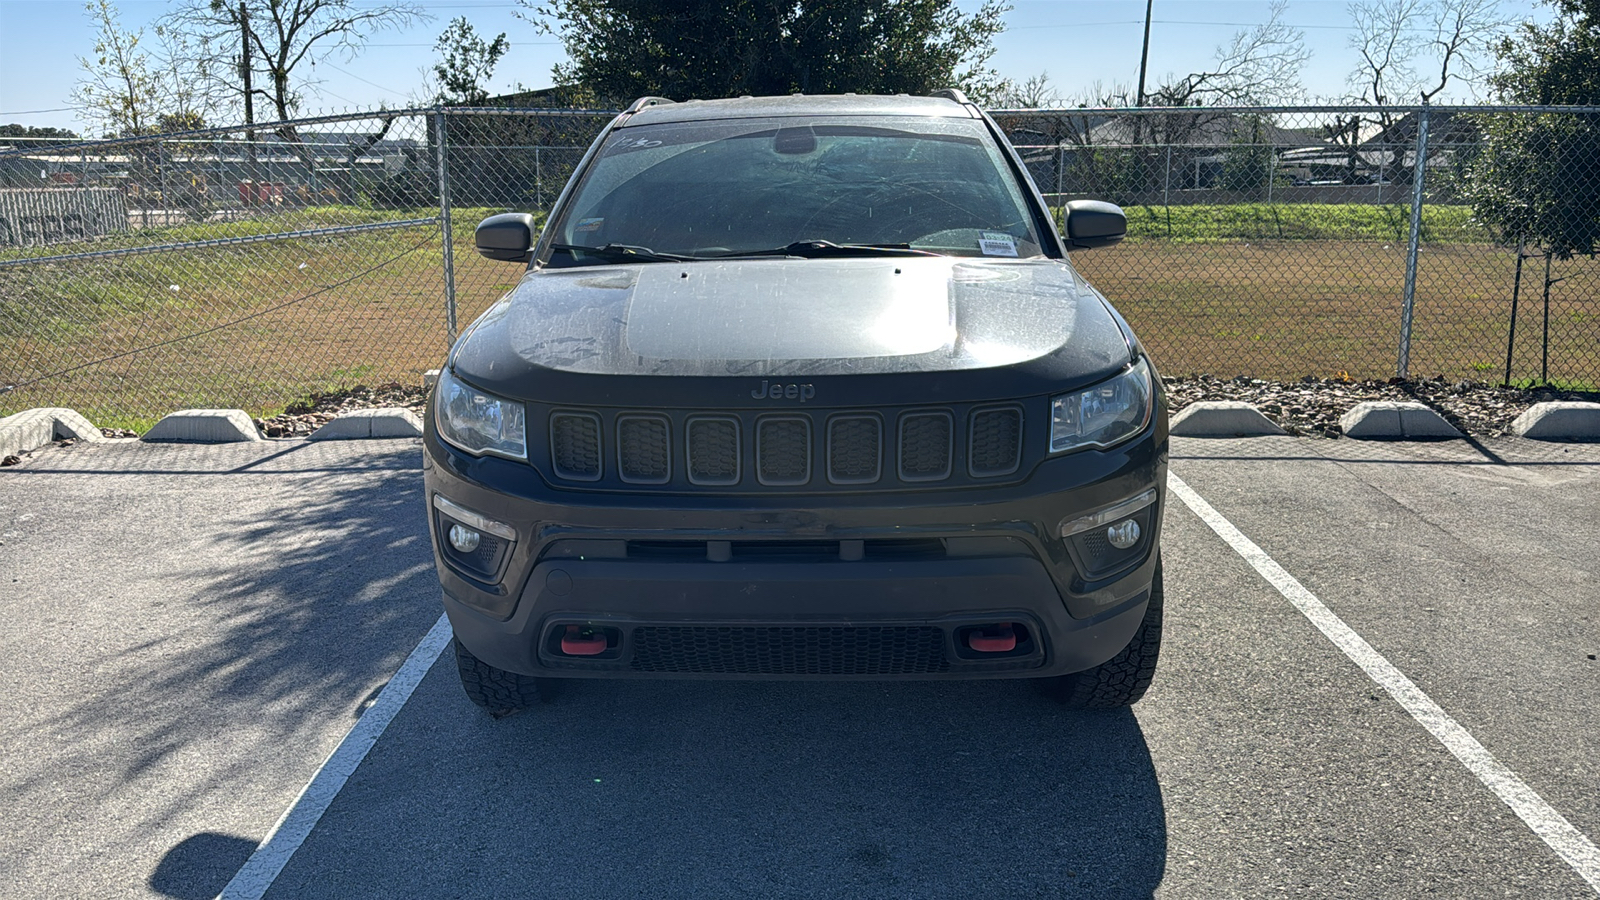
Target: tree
(1393, 37)
(1033, 92)
(1535, 178)
(621, 49)
(16, 130)
(467, 64)
(1259, 65)
(21, 137)
(282, 36)
(1448, 39)
(119, 92)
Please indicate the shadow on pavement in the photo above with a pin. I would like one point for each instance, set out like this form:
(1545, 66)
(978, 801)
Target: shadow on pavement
(700, 789)
(201, 866)
(245, 629)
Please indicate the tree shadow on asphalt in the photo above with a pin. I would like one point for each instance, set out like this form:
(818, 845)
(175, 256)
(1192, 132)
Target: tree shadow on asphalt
(289, 612)
(698, 789)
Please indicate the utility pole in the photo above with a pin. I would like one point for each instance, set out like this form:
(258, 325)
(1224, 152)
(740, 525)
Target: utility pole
(1144, 55)
(249, 97)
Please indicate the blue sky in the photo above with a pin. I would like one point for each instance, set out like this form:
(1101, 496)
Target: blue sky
(1078, 42)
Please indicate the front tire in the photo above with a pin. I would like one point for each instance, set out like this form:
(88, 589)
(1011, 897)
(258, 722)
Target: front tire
(1122, 679)
(496, 690)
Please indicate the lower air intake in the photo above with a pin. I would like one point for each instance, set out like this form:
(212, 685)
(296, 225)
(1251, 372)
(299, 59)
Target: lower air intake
(790, 650)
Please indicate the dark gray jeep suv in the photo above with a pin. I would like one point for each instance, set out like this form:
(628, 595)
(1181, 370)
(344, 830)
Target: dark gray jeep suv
(800, 387)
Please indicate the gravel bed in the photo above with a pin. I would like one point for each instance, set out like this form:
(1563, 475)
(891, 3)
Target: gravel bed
(1312, 406)
(303, 418)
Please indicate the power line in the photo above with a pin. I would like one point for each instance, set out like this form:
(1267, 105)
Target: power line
(363, 80)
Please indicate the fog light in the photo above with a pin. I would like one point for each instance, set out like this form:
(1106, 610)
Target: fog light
(466, 540)
(1122, 535)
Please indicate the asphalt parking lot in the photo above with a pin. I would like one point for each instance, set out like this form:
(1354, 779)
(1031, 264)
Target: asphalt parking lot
(191, 631)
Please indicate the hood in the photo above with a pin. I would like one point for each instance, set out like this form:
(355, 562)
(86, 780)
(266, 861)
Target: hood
(790, 318)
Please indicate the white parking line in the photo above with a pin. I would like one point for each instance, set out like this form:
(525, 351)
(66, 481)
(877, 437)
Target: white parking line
(1552, 827)
(263, 866)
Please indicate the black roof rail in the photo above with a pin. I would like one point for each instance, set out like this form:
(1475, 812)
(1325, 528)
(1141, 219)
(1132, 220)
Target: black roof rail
(952, 94)
(642, 102)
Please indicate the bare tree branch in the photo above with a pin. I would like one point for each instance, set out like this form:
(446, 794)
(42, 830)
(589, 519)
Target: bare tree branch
(284, 34)
(1260, 64)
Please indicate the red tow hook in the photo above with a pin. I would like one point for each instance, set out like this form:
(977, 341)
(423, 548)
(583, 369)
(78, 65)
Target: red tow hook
(575, 643)
(993, 639)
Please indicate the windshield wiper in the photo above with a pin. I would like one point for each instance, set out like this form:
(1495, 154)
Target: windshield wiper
(624, 253)
(819, 249)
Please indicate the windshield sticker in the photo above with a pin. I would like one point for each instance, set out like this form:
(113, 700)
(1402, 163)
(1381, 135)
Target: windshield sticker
(586, 225)
(997, 243)
(628, 144)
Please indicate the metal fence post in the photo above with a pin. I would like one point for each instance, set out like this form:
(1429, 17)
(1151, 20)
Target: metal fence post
(1061, 171)
(1409, 303)
(444, 223)
(1272, 171)
(1166, 180)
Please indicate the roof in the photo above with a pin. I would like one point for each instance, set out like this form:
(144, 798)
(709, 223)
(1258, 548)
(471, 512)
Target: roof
(800, 105)
(1200, 128)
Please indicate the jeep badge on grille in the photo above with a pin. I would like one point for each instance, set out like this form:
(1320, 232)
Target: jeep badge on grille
(770, 391)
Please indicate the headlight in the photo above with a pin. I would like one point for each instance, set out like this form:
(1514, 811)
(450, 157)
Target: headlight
(1106, 414)
(477, 422)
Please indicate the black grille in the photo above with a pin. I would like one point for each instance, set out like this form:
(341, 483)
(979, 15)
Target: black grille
(575, 445)
(644, 454)
(713, 449)
(994, 444)
(790, 650)
(925, 439)
(783, 450)
(855, 449)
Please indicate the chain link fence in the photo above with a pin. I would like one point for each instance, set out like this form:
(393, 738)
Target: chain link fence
(254, 267)
(1283, 242)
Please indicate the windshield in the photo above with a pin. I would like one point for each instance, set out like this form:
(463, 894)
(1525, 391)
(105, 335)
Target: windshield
(796, 186)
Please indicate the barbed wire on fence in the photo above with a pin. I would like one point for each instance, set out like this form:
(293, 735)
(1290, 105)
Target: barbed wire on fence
(1273, 242)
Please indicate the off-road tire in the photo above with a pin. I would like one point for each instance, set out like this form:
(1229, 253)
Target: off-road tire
(496, 690)
(1122, 679)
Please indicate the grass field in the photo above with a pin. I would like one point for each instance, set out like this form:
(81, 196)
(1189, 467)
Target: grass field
(1224, 296)
(1301, 222)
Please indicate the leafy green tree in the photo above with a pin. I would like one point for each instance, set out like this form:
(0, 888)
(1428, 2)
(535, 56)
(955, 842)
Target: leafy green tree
(1537, 178)
(15, 130)
(120, 90)
(621, 49)
(466, 63)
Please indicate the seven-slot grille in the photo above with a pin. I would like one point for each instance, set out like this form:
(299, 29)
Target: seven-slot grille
(790, 449)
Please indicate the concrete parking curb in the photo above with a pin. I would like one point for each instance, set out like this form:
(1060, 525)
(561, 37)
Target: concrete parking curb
(429, 379)
(33, 428)
(1560, 420)
(1395, 420)
(1222, 418)
(204, 426)
(362, 424)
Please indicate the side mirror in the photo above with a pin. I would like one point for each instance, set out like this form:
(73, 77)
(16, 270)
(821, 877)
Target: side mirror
(1094, 223)
(507, 237)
